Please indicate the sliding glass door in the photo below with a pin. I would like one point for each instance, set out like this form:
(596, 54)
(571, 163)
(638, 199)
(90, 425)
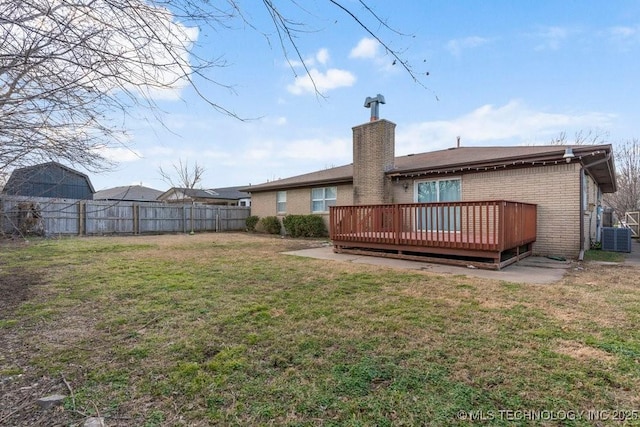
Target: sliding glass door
(440, 218)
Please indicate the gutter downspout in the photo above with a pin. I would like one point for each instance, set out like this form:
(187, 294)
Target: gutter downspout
(582, 184)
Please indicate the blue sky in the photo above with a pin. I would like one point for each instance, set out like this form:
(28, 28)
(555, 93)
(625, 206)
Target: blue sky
(500, 73)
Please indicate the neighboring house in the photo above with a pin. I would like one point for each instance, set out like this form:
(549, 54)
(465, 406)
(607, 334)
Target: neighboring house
(130, 193)
(228, 196)
(50, 179)
(565, 182)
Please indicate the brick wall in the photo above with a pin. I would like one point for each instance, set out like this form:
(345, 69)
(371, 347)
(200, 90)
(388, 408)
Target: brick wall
(555, 189)
(298, 201)
(400, 195)
(373, 155)
(263, 203)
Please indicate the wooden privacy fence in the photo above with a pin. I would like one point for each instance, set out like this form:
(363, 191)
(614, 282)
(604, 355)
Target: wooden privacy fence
(632, 222)
(94, 217)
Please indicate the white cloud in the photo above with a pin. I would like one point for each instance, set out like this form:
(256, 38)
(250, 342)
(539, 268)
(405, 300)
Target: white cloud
(160, 151)
(322, 56)
(141, 48)
(552, 37)
(457, 45)
(313, 79)
(510, 124)
(625, 37)
(277, 121)
(337, 150)
(333, 78)
(213, 154)
(120, 154)
(367, 48)
(154, 66)
(258, 152)
(624, 32)
(177, 121)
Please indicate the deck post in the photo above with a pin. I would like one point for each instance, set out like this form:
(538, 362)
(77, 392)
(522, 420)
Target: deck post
(397, 224)
(503, 224)
(492, 227)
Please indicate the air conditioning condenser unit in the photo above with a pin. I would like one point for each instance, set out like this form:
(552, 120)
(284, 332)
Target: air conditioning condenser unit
(616, 239)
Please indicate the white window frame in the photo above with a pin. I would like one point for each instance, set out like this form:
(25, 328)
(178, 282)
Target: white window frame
(437, 181)
(280, 203)
(326, 202)
(444, 223)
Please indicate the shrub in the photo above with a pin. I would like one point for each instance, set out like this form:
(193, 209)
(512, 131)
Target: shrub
(252, 221)
(269, 224)
(304, 226)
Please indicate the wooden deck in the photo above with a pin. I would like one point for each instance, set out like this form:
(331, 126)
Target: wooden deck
(486, 234)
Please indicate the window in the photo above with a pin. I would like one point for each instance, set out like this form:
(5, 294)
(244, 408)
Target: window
(322, 198)
(444, 190)
(281, 201)
(444, 218)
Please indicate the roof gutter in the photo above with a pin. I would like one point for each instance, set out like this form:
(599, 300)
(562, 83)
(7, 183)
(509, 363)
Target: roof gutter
(267, 187)
(604, 160)
(502, 163)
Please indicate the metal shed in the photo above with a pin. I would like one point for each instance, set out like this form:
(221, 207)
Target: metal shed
(49, 179)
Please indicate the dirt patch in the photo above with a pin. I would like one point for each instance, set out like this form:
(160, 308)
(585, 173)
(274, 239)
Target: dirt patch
(20, 386)
(16, 286)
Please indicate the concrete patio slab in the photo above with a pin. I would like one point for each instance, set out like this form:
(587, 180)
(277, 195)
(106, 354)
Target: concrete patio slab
(534, 270)
(633, 258)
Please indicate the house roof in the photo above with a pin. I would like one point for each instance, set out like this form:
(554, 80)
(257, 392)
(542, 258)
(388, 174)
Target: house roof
(231, 193)
(597, 160)
(128, 192)
(23, 174)
(226, 193)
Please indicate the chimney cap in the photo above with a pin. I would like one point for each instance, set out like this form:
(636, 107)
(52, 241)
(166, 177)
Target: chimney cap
(378, 98)
(373, 104)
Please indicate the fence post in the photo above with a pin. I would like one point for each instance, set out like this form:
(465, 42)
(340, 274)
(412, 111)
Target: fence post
(191, 214)
(213, 219)
(184, 218)
(136, 217)
(81, 210)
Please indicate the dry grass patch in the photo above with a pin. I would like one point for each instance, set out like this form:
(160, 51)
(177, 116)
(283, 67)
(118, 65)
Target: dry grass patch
(583, 352)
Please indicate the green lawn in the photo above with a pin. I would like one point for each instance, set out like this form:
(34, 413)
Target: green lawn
(606, 256)
(224, 329)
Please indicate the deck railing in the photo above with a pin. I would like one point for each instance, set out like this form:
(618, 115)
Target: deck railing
(492, 226)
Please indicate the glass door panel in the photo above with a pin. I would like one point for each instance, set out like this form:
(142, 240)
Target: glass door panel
(441, 218)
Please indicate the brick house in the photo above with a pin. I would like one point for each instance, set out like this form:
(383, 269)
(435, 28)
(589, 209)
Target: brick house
(565, 182)
(227, 196)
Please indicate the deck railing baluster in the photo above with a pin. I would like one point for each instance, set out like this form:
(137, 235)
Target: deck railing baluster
(466, 228)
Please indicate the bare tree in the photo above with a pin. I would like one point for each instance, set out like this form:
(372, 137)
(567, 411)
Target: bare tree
(581, 137)
(69, 67)
(65, 66)
(183, 175)
(627, 198)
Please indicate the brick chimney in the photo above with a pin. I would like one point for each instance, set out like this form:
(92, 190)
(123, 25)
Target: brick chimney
(373, 154)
